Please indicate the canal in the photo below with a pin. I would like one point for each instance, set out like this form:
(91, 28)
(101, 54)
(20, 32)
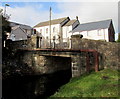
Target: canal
(34, 87)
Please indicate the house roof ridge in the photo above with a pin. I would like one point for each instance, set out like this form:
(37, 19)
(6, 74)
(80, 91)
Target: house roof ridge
(70, 22)
(93, 25)
(54, 21)
(97, 21)
(12, 24)
(18, 26)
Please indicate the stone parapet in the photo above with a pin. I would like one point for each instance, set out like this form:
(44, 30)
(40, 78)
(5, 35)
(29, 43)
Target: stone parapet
(109, 55)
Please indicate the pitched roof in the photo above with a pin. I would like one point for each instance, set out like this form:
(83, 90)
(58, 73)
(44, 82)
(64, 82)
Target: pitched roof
(16, 27)
(93, 26)
(70, 22)
(55, 21)
(18, 34)
(12, 24)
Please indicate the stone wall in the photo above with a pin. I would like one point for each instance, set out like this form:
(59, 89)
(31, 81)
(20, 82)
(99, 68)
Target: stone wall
(32, 42)
(109, 55)
(16, 44)
(45, 64)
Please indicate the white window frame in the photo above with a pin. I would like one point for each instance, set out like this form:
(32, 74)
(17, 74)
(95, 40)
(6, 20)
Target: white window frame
(46, 30)
(54, 29)
(87, 33)
(41, 31)
(100, 32)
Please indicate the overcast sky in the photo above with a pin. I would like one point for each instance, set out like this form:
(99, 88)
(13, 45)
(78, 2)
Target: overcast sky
(31, 13)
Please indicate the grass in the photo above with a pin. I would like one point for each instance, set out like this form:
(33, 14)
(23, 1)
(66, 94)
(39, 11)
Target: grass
(100, 84)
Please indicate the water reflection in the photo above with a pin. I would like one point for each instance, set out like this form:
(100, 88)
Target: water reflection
(34, 87)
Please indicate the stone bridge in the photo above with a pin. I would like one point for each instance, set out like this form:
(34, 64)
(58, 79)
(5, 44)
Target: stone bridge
(45, 61)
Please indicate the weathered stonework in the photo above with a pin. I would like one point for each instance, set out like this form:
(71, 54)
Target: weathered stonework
(76, 69)
(109, 55)
(45, 64)
(32, 42)
(35, 61)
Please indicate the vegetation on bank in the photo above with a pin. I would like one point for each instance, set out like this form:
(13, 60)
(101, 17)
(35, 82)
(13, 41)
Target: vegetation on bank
(100, 84)
(118, 38)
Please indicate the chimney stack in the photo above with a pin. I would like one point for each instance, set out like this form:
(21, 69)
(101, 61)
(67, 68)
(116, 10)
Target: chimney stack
(77, 17)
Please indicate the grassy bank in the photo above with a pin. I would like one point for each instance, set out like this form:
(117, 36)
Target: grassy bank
(101, 84)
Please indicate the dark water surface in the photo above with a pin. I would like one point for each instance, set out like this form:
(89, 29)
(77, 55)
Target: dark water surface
(34, 87)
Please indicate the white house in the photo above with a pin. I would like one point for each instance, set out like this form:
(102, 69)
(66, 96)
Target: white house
(101, 30)
(71, 25)
(55, 31)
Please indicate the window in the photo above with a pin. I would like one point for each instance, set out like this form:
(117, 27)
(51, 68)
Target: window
(46, 30)
(87, 33)
(100, 32)
(41, 31)
(53, 29)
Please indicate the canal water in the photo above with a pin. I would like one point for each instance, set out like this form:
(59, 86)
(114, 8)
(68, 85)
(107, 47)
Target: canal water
(34, 87)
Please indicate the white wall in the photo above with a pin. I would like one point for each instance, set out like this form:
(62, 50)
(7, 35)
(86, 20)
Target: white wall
(106, 35)
(57, 30)
(66, 34)
(46, 36)
(101, 34)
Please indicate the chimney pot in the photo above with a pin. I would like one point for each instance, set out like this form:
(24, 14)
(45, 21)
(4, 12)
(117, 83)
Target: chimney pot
(77, 17)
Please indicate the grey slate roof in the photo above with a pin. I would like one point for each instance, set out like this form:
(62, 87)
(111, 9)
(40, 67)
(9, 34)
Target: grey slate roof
(19, 33)
(12, 24)
(55, 21)
(16, 27)
(70, 22)
(93, 26)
